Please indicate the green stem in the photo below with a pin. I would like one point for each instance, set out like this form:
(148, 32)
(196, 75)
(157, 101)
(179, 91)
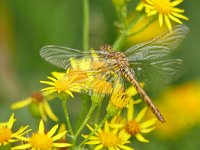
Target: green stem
(96, 119)
(85, 106)
(86, 119)
(85, 24)
(95, 130)
(64, 102)
(119, 42)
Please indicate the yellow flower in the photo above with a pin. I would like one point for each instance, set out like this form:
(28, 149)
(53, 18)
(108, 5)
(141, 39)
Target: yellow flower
(7, 135)
(180, 105)
(166, 11)
(111, 139)
(133, 125)
(99, 89)
(119, 100)
(42, 140)
(71, 81)
(38, 105)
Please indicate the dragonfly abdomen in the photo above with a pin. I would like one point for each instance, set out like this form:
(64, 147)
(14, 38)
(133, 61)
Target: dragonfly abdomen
(128, 75)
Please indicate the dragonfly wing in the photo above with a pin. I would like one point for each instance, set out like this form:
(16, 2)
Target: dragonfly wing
(60, 56)
(158, 73)
(158, 47)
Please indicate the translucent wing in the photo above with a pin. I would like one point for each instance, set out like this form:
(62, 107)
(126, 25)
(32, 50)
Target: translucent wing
(158, 47)
(58, 55)
(158, 73)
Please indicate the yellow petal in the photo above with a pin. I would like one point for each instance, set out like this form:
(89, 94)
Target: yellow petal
(21, 130)
(47, 82)
(160, 19)
(153, 12)
(58, 136)
(106, 127)
(21, 104)
(130, 113)
(168, 23)
(175, 19)
(11, 121)
(42, 113)
(178, 10)
(140, 6)
(52, 131)
(141, 114)
(125, 147)
(91, 129)
(41, 127)
(147, 130)
(99, 147)
(22, 147)
(131, 91)
(175, 3)
(58, 75)
(70, 93)
(141, 138)
(93, 142)
(148, 123)
(52, 79)
(150, 2)
(180, 16)
(49, 112)
(60, 145)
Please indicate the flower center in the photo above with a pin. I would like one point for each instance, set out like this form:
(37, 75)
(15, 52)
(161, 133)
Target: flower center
(37, 96)
(132, 127)
(41, 141)
(5, 134)
(62, 85)
(163, 6)
(109, 139)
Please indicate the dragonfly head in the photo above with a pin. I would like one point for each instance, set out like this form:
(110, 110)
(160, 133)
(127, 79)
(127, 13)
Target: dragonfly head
(107, 48)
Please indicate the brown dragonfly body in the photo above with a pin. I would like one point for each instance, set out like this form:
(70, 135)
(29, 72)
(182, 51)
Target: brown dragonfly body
(123, 65)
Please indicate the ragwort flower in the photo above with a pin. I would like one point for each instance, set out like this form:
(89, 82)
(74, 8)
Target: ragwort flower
(165, 9)
(68, 82)
(111, 139)
(131, 124)
(119, 100)
(7, 135)
(135, 127)
(38, 105)
(43, 141)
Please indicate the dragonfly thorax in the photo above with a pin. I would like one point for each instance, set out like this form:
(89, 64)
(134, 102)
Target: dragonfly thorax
(121, 59)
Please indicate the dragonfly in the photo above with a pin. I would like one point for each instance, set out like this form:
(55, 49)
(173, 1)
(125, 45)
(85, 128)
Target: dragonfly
(134, 63)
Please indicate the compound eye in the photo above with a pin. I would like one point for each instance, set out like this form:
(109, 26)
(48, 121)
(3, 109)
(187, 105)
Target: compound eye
(106, 48)
(109, 48)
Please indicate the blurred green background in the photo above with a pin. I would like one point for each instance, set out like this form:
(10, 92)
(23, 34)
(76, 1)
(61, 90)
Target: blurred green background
(26, 26)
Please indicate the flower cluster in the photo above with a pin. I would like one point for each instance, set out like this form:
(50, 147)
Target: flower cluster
(97, 76)
(166, 10)
(118, 131)
(38, 140)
